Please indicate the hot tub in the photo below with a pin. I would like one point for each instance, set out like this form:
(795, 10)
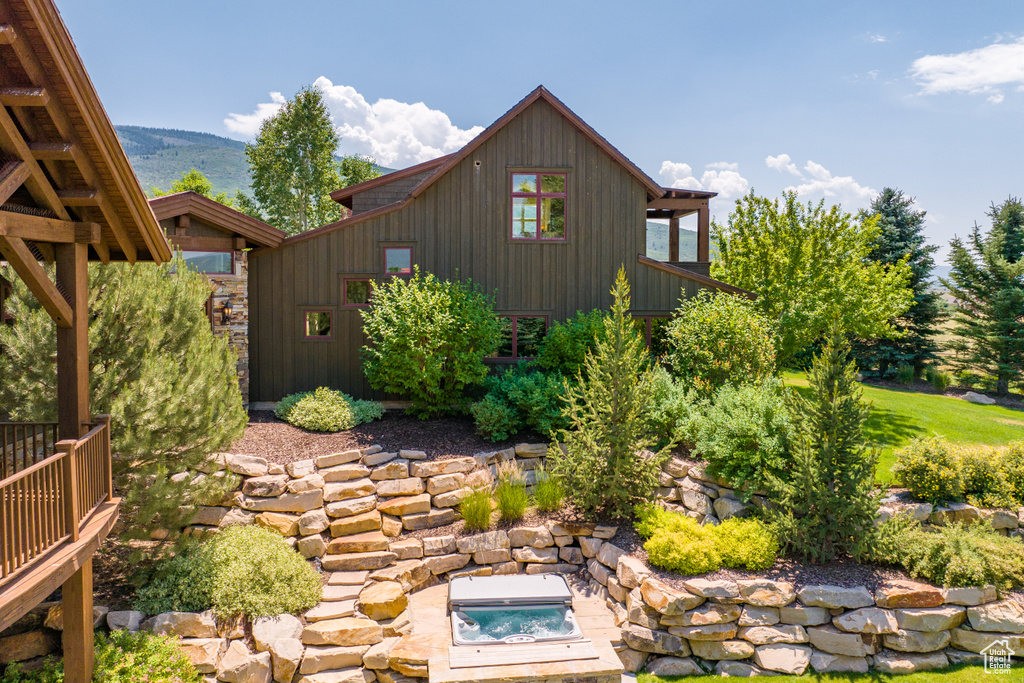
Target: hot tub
(494, 610)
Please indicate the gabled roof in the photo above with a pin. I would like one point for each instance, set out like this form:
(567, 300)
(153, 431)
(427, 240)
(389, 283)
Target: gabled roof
(69, 165)
(542, 93)
(693, 277)
(344, 195)
(217, 215)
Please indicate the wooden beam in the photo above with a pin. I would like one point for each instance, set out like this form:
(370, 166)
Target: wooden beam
(7, 34)
(36, 183)
(673, 239)
(677, 203)
(77, 638)
(704, 235)
(43, 229)
(73, 342)
(190, 243)
(15, 177)
(17, 253)
(79, 197)
(52, 151)
(24, 97)
(103, 251)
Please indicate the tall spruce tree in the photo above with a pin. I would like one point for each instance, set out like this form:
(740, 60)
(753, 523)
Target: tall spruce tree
(293, 167)
(825, 506)
(987, 281)
(901, 237)
(605, 464)
(168, 383)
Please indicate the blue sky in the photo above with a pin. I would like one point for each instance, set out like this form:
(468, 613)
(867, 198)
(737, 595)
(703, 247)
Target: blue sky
(836, 99)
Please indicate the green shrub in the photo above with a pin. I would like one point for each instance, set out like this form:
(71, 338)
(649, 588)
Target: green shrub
(955, 555)
(939, 380)
(930, 469)
(605, 466)
(905, 374)
(121, 657)
(494, 418)
(678, 543)
(675, 410)
(520, 398)
(325, 410)
(511, 492)
(427, 340)
(985, 477)
(744, 434)
(242, 570)
(566, 344)
(476, 509)
(1012, 463)
(717, 339)
(547, 492)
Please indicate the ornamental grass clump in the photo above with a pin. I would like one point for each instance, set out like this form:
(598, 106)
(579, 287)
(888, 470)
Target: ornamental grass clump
(548, 493)
(511, 492)
(476, 509)
(243, 570)
(325, 410)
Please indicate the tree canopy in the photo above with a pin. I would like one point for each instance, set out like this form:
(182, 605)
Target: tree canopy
(194, 181)
(809, 266)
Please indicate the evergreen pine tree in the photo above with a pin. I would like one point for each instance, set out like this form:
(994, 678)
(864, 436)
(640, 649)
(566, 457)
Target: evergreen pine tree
(825, 506)
(987, 281)
(168, 383)
(605, 464)
(901, 237)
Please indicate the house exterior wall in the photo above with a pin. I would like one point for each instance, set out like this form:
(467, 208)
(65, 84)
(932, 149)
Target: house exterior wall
(460, 227)
(389, 193)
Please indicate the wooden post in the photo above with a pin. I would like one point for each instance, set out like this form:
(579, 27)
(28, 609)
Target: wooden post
(704, 234)
(673, 239)
(69, 486)
(108, 473)
(72, 419)
(73, 342)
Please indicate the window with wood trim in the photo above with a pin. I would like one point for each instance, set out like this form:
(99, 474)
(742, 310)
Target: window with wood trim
(210, 262)
(654, 330)
(521, 336)
(538, 206)
(357, 291)
(318, 325)
(398, 260)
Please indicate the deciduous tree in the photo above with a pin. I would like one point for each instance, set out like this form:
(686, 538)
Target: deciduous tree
(809, 266)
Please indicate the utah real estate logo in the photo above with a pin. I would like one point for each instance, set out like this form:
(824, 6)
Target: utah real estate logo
(997, 657)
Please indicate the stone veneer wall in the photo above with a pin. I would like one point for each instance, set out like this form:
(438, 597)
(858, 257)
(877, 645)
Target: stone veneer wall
(234, 289)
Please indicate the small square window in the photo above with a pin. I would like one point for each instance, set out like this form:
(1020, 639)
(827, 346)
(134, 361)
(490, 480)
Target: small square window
(318, 325)
(358, 292)
(398, 260)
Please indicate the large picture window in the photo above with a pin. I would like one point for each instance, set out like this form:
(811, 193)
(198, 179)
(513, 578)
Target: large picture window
(521, 335)
(211, 262)
(538, 206)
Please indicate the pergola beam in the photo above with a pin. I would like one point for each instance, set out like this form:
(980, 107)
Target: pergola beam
(24, 97)
(17, 253)
(37, 183)
(42, 229)
(14, 178)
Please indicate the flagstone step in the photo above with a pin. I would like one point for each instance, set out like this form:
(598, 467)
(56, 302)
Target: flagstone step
(351, 578)
(343, 592)
(332, 610)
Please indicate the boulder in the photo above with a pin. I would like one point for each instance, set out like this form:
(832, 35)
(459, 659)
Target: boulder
(237, 516)
(265, 486)
(759, 616)
(974, 641)
(325, 461)
(437, 467)
(358, 561)
(410, 486)
(246, 465)
(698, 502)
(395, 469)
(640, 613)
(768, 635)
(969, 597)
(267, 630)
(631, 571)
(542, 555)
(445, 483)
(497, 556)
(531, 450)
(326, 657)
(656, 642)
(571, 555)
(346, 526)
(727, 508)
(894, 594)
(300, 468)
(765, 593)
(352, 506)
(55, 616)
(558, 568)
(204, 653)
(343, 490)
(382, 600)
(673, 666)
(832, 640)
(676, 467)
(931, 618)
(284, 524)
(311, 546)
(632, 660)
(450, 499)
(347, 472)
(823, 662)
(902, 663)
(407, 549)
(982, 399)
(708, 613)
(805, 616)
(609, 555)
(122, 620)
(1000, 519)
(208, 516)
(784, 658)
(599, 572)
(335, 609)
(285, 657)
(490, 540)
(411, 653)
(185, 624)
(429, 520)
(709, 632)
(313, 522)
(405, 505)
(351, 675)
(438, 545)
(534, 536)
(873, 620)
(24, 646)
(372, 459)
(707, 588)
(238, 665)
(834, 597)
(390, 526)
(1005, 616)
(666, 599)
(347, 631)
(440, 564)
(307, 483)
(739, 669)
(916, 641)
(590, 546)
(377, 656)
(286, 502)
(722, 649)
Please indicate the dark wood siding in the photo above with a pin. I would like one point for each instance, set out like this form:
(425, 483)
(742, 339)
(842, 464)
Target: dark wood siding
(383, 195)
(460, 228)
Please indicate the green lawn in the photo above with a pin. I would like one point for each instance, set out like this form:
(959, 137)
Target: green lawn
(899, 415)
(958, 674)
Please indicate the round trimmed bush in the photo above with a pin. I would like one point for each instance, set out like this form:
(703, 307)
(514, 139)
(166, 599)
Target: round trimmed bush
(930, 469)
(326, 410)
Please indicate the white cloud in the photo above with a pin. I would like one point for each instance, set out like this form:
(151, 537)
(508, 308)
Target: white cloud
(980, 71)
(818, 182)
(249, 124)
(876, 38)
(396, 134)
(782, 163)
(721, 177)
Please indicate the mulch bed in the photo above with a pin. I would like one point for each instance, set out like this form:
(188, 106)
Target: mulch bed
(279, 442)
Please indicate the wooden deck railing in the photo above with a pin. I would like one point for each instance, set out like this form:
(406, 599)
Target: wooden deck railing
(23, 444)
(47, 503)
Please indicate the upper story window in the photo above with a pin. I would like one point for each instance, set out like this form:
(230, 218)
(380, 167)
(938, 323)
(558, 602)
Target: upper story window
(398, 260)
(538, 206)
(211, 262)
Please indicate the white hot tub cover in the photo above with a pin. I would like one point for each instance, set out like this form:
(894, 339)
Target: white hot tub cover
(525, 589)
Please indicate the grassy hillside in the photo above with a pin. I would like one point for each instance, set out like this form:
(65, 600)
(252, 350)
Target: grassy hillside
(657, 242)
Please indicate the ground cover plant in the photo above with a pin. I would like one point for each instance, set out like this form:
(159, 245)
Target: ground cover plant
(121, 657)
(243, 570)
(325, 410)
(897, 416)
(676, 542)
(427, 340)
